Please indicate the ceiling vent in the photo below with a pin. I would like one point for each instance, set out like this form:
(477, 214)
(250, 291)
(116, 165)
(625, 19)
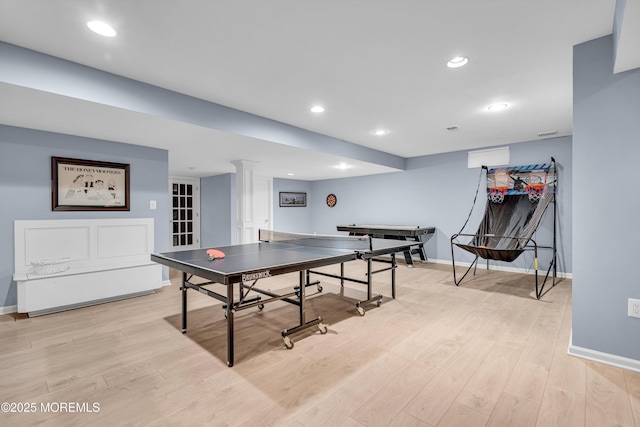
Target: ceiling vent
(548, 133)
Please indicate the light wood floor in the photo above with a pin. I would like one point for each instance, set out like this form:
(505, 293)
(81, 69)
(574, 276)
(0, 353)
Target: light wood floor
(486, 353)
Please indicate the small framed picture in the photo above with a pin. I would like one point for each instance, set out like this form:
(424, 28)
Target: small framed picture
(87, 185)
(292, 199)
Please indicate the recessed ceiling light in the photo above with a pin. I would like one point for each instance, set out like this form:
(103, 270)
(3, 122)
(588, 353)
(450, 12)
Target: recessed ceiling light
(342, 166)
(380, 132)
(498, 107)
(101, 28)
(290, 174)
(458, 61)
(317, 109)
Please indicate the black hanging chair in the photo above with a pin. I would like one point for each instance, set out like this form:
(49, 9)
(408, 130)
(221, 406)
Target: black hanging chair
(518, 197)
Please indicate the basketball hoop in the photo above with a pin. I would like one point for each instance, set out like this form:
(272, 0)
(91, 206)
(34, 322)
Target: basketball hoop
(535, 192)
(496, 194)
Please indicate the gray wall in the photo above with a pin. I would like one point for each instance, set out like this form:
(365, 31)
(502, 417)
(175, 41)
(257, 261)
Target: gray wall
(217, 203)
(25, 185)
(606, 203)
(436, 191)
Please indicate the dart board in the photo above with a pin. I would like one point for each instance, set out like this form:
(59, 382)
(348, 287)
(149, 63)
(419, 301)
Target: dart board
(332, 200)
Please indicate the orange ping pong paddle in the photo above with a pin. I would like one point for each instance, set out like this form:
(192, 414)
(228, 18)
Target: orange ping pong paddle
(214, 254)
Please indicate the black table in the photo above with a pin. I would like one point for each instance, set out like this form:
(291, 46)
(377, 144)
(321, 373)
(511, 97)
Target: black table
(275, 254)
(394, 232)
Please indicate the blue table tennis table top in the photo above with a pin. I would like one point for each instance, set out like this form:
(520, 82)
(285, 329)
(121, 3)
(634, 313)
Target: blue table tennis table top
(251, 261)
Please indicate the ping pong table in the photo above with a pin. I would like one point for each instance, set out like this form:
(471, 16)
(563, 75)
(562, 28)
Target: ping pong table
(278, 253)
(394, 232)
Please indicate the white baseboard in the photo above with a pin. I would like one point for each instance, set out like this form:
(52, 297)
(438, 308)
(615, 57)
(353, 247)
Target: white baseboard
(8, 309)
(483, 266)
(606, 358)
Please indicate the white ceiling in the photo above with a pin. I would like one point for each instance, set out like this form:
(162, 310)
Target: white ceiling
(370, 63)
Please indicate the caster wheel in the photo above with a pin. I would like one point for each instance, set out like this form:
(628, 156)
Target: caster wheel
(319, 288)
(288, 343)
(379, 303)
(261, 307)
(323, 328)
(361, 311)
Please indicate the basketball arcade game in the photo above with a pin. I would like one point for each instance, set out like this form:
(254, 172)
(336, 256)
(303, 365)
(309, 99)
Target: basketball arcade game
(517, 198)
(242, 266)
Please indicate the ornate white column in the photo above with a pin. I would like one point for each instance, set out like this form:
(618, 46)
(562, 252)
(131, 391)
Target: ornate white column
(244, 200)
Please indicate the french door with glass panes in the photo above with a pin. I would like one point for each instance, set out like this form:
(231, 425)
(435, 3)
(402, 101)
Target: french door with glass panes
(185, 213)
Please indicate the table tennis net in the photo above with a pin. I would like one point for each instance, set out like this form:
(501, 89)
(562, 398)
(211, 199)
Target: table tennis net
(316, 240)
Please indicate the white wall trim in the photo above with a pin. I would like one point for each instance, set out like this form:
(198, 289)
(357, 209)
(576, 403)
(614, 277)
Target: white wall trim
(107, 259)
(244, 201)
(606, 358)
(8, 309)
(483, 266)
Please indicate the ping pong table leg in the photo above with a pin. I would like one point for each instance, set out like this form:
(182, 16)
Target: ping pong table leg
(184, 302)
(302, 324)
(393, 275)
(359, 304)
(369, 278)
(230, 324)
(303, 314)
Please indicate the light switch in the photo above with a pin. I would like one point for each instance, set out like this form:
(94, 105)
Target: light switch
(152, 204)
